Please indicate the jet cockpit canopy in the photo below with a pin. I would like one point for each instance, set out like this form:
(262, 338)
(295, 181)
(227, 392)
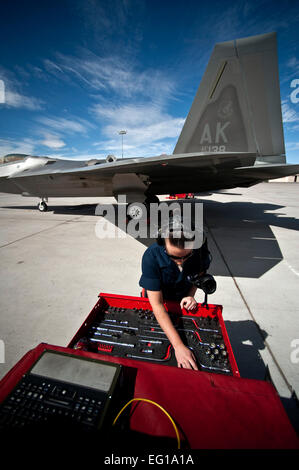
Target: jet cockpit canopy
(13, 157)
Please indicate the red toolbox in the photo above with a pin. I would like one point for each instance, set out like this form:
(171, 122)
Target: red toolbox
(213, 411)
(124, 326)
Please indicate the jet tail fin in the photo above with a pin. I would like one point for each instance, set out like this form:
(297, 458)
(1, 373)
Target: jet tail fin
(237, 106)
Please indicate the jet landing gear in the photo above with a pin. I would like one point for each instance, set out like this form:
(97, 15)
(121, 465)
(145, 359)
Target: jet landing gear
(136, 209)
(42, 205)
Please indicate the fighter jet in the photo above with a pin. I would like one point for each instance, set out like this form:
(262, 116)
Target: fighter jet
(232, 137)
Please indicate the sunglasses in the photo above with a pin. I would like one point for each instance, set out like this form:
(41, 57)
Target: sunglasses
(180, 257)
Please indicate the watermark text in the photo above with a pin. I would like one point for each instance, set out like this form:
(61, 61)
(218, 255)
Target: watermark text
(151, 221)
(294, 356)
(295, 94)
(2, 352)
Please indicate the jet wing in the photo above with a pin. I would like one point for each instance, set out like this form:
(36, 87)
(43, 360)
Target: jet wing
(264, 172)
(149, 165)
(165, 174)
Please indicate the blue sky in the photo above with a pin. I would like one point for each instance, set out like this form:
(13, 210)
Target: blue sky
(78, 71)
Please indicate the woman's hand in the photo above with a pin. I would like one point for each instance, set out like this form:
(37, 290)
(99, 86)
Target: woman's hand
(189, 303)
(185, 358)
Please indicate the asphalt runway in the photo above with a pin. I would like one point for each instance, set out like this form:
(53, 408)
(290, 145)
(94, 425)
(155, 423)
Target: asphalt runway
(53, 266)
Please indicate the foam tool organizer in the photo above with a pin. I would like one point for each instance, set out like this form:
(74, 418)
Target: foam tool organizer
(125, 326)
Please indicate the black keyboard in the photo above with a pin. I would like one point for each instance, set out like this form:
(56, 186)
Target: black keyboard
(38, 402)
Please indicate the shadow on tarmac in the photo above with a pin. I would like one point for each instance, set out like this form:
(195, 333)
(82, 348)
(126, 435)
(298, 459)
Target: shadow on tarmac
(247, 340)
(241, 231)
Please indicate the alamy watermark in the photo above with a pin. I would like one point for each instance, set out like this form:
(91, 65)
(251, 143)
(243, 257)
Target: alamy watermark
(151, 221)
(2, 352)
(294, 356)
(2, 92)
(294, 97)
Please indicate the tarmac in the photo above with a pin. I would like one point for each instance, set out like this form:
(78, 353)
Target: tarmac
(53, 267)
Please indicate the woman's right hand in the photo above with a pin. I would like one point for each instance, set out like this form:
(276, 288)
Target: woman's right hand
(185, 358)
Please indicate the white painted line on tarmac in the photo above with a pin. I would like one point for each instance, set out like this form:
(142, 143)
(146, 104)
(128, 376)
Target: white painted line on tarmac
(291, 268)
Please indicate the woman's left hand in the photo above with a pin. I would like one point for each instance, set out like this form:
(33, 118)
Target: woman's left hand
(189, 303)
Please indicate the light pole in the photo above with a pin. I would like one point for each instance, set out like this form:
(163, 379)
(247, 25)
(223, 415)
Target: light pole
(122, 133)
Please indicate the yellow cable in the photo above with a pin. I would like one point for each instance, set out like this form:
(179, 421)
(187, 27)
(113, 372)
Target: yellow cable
(159, 406)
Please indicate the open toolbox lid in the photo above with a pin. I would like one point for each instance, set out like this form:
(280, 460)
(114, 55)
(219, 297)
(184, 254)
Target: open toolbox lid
(129, 302)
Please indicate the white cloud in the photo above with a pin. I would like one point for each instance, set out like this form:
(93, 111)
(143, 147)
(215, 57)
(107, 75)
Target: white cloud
(52, 66)
(128, 115)
(288, 113)
(149, 129)
(14, 99)
(25, 146)
(165, 129)
(291, 146)
(66, 125)
(142, 97)
(293, 63)
(53, 141)
(111, 74)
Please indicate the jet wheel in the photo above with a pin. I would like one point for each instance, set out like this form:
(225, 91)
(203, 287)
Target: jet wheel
(42, 206)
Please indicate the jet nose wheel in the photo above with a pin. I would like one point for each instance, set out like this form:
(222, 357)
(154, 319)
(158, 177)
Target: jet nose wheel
(135, 211)
(42, 206)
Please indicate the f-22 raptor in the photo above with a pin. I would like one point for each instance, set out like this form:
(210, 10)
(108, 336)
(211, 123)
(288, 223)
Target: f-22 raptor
(232, 137)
